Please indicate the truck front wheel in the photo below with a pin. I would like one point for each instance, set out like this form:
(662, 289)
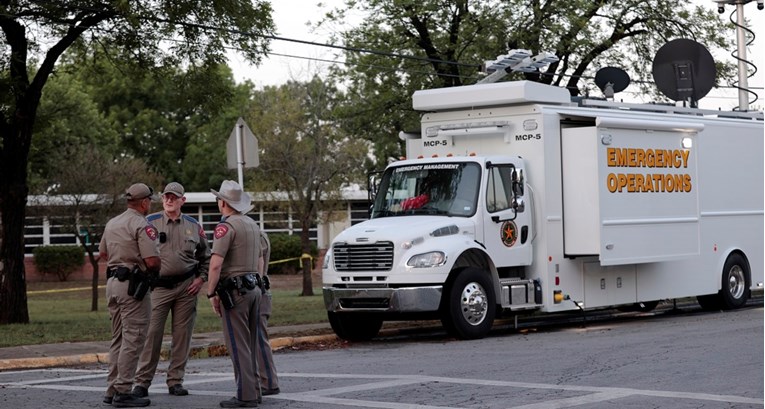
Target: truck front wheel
(354, 326)
(470, 305)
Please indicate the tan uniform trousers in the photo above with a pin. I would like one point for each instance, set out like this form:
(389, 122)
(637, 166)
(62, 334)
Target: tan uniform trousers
(184, 311)
(130, 323)
(266, 367)
(240, 331)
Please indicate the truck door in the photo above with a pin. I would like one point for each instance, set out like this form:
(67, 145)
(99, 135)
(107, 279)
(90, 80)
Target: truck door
(507, 219)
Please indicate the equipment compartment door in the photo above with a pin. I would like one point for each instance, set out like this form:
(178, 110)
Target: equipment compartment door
(630, 195)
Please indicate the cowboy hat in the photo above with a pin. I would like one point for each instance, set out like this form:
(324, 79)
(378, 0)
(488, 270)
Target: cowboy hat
(231, 193)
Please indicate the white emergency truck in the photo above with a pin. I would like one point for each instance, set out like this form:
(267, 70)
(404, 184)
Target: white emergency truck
(514, 199)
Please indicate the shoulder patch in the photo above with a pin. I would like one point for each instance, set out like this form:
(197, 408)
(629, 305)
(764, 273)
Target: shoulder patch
(151, 231)
(202, 232)
(221, 230)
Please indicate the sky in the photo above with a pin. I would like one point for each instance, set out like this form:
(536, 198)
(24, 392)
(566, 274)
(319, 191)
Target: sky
(290, 60)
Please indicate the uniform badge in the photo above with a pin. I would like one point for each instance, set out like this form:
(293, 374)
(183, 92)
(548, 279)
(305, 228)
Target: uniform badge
(151, 231)
(221, 230)
(509, 233)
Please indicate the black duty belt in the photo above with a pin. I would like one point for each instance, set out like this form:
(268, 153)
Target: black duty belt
(122, 273)
(172, 281)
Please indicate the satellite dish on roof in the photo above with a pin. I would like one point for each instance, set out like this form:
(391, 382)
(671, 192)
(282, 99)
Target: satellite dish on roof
(684, 70)
(611, 80)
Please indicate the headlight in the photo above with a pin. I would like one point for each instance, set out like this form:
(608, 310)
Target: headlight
(327, 258)
(432, 259)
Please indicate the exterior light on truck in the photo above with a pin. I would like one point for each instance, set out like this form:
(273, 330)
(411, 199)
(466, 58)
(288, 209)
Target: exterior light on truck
(687, 143)
(327, 259)
(427, 260)
(409, 243)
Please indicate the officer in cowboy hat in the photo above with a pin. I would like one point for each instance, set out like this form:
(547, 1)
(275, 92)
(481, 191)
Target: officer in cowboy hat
(234, 264)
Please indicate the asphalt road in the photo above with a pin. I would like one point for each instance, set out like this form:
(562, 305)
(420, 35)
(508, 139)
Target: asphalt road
(672, 359)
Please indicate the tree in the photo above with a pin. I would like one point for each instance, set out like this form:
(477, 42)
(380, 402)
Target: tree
(163, 33)
(304, 153)
(444, 42)
(87, 189)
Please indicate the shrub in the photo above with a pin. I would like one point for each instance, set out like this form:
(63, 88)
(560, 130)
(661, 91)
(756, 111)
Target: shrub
(59, 260)
(283, 247)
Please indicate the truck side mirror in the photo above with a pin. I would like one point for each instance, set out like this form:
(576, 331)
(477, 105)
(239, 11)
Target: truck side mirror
(518, 182)
(373, 184)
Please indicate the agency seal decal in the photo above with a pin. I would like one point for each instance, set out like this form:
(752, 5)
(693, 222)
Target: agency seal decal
(151, 231)
(509, 233)
(220, 230)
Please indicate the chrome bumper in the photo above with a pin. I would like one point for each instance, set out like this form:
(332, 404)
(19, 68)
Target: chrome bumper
(412, 299)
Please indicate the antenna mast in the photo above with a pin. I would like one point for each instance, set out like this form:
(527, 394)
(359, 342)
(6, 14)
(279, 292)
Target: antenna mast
(743, 78)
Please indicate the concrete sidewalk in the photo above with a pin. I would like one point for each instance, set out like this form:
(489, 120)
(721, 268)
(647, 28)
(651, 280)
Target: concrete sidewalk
(202, 346)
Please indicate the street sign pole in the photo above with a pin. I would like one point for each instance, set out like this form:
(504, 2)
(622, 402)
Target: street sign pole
(239, 156)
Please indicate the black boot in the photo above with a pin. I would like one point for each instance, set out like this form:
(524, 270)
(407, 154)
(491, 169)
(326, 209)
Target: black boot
(128, 400)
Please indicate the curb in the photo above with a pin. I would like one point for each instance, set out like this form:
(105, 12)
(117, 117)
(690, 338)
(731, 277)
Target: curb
(47, 362)
(198, 352)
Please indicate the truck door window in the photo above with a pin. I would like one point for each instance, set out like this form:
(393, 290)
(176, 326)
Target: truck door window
(499, 192)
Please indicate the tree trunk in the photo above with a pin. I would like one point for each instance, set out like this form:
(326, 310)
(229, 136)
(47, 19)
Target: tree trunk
(305, 243)
(13, 201)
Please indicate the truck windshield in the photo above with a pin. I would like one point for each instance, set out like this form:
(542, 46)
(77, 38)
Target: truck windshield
(428, 189)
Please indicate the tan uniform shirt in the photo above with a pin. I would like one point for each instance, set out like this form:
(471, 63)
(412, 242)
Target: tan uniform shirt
(265, 249)
(182, 245)
(128, 239)
(237, 240)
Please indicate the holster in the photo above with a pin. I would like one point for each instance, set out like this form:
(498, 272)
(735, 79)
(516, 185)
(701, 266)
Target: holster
(139, 284)
(225, 294)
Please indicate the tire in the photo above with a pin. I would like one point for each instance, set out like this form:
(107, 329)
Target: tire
(734, 289)
(735, 282)
(354, 326)
(470, 305)
(709, 302)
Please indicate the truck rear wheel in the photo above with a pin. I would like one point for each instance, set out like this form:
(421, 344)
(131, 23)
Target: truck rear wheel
(735, 282)
(735, 286)
(354, 326)
(470, 305)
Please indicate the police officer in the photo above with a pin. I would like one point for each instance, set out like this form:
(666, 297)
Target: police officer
(269, 381)
(185, 259)
(233, 276)
(129, 245)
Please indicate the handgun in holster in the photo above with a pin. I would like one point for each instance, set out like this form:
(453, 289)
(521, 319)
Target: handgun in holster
(139, 284)
(224, 290)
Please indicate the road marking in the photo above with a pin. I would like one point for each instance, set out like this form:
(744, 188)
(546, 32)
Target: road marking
(592, 394)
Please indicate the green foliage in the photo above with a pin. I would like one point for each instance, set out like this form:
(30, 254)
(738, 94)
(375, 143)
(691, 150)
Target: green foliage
(447, 40)
(59, 260)
(286, 247)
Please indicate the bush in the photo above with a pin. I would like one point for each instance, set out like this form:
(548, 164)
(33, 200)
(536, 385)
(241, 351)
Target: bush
(283, 247)
(59, 260)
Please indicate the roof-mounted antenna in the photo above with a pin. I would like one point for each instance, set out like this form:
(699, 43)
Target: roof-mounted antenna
(515, 60)
(740, 54)
(684, 70)
(611, 80)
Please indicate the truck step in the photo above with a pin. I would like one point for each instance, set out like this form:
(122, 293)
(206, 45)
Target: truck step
(519, 294)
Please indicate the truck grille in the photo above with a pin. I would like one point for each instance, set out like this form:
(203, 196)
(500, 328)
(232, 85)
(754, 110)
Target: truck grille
(363, 257)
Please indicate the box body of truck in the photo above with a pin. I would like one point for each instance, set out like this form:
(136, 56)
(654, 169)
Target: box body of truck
(536, 203)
